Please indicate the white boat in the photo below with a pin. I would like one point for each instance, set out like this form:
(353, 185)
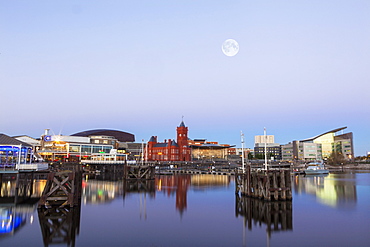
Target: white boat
(315, 168)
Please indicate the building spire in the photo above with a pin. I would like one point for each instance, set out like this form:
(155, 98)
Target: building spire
(182, 124)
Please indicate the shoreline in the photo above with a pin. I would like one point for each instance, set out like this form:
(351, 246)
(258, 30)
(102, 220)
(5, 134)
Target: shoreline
(349, 167)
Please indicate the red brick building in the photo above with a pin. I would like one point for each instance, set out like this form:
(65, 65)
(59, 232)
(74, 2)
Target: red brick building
(170, 150)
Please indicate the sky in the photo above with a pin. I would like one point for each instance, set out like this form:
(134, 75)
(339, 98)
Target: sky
(143, 66)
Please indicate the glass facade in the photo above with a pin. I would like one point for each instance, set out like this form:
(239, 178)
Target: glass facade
(72, 151)
(326, 142)
(12, 155)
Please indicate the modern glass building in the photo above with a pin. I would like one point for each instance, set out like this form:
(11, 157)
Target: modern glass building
(297, 150)
(13, 152)
(92, 144)
(321, 146)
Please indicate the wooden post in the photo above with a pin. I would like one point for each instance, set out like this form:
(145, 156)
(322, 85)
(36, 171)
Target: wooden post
(267, 185)
(63, 188)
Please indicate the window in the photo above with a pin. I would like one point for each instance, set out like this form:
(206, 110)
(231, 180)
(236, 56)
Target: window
(107, 149)
(97, 149)
(74, 148)
(86, 149)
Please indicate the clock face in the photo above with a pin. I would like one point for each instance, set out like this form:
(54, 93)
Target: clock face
(230, 47)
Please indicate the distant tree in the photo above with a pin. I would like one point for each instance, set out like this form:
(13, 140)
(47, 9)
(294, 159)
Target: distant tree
(336, 158)
(250, 156)
(259, 156)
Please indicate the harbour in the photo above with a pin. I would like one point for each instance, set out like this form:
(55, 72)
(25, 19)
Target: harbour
(178, 209)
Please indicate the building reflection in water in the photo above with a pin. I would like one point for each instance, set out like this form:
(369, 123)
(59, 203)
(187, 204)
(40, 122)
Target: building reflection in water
(18, 205)
(335, 190)
(180, 184)
(175, 186)
(99, 191)
(13, 218)
(275, 215)
(102, 191)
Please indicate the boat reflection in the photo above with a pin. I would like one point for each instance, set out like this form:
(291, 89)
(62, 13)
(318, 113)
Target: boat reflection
(335, 190)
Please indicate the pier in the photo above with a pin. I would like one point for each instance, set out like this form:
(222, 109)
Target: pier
(63, 187)
(274, 184)
(138, 172)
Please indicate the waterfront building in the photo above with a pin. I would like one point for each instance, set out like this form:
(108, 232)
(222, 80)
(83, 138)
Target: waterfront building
(170, 150)
(35, 143)
(334, 141)
(235, 154)
(93, 144)
(264, 139)
(273, 149)
(306, 151)
(13, 152)
(203, 150)
(320, 146)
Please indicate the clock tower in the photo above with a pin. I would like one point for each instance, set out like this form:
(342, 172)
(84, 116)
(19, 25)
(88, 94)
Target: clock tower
(182, 141)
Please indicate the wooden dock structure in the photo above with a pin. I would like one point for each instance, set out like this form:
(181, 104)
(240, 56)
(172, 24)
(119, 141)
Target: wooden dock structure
(63, 187)
(264, 184)
(131, 186)
(59, 208)
(276, 215)
(136, 172)
(59, 225)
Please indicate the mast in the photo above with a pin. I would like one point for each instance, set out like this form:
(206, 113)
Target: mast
(242, 140)
(265, 137)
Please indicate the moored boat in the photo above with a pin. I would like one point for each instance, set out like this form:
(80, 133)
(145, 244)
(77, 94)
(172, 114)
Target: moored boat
(315, 168)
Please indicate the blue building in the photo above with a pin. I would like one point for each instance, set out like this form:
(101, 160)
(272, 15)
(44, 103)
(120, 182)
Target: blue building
(13, 152)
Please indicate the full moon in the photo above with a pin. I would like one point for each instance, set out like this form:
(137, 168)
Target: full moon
(230, 47)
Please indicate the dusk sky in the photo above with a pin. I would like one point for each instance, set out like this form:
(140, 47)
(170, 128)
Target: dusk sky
(303, 68)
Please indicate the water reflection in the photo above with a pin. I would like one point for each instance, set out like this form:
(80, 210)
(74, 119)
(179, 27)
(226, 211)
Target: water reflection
(275, 215)
(335, 190)
(97, 191)
(19, 194)
(59, 225)
(59, 208)
(13, 218)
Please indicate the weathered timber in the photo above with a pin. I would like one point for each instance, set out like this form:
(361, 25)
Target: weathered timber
(59, 225)
(264, 184)
(63, 188)
(276, 215)
(139, 172)
(131, 186)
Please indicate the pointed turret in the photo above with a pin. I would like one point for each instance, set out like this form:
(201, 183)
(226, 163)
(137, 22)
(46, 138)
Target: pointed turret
(182, 141)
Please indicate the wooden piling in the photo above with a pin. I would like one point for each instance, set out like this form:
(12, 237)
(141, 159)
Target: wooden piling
(63, 188)
(139, 172)
(276, 215)
(264, 184)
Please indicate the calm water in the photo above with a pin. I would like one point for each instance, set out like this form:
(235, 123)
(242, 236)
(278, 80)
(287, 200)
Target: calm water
(199, 210)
